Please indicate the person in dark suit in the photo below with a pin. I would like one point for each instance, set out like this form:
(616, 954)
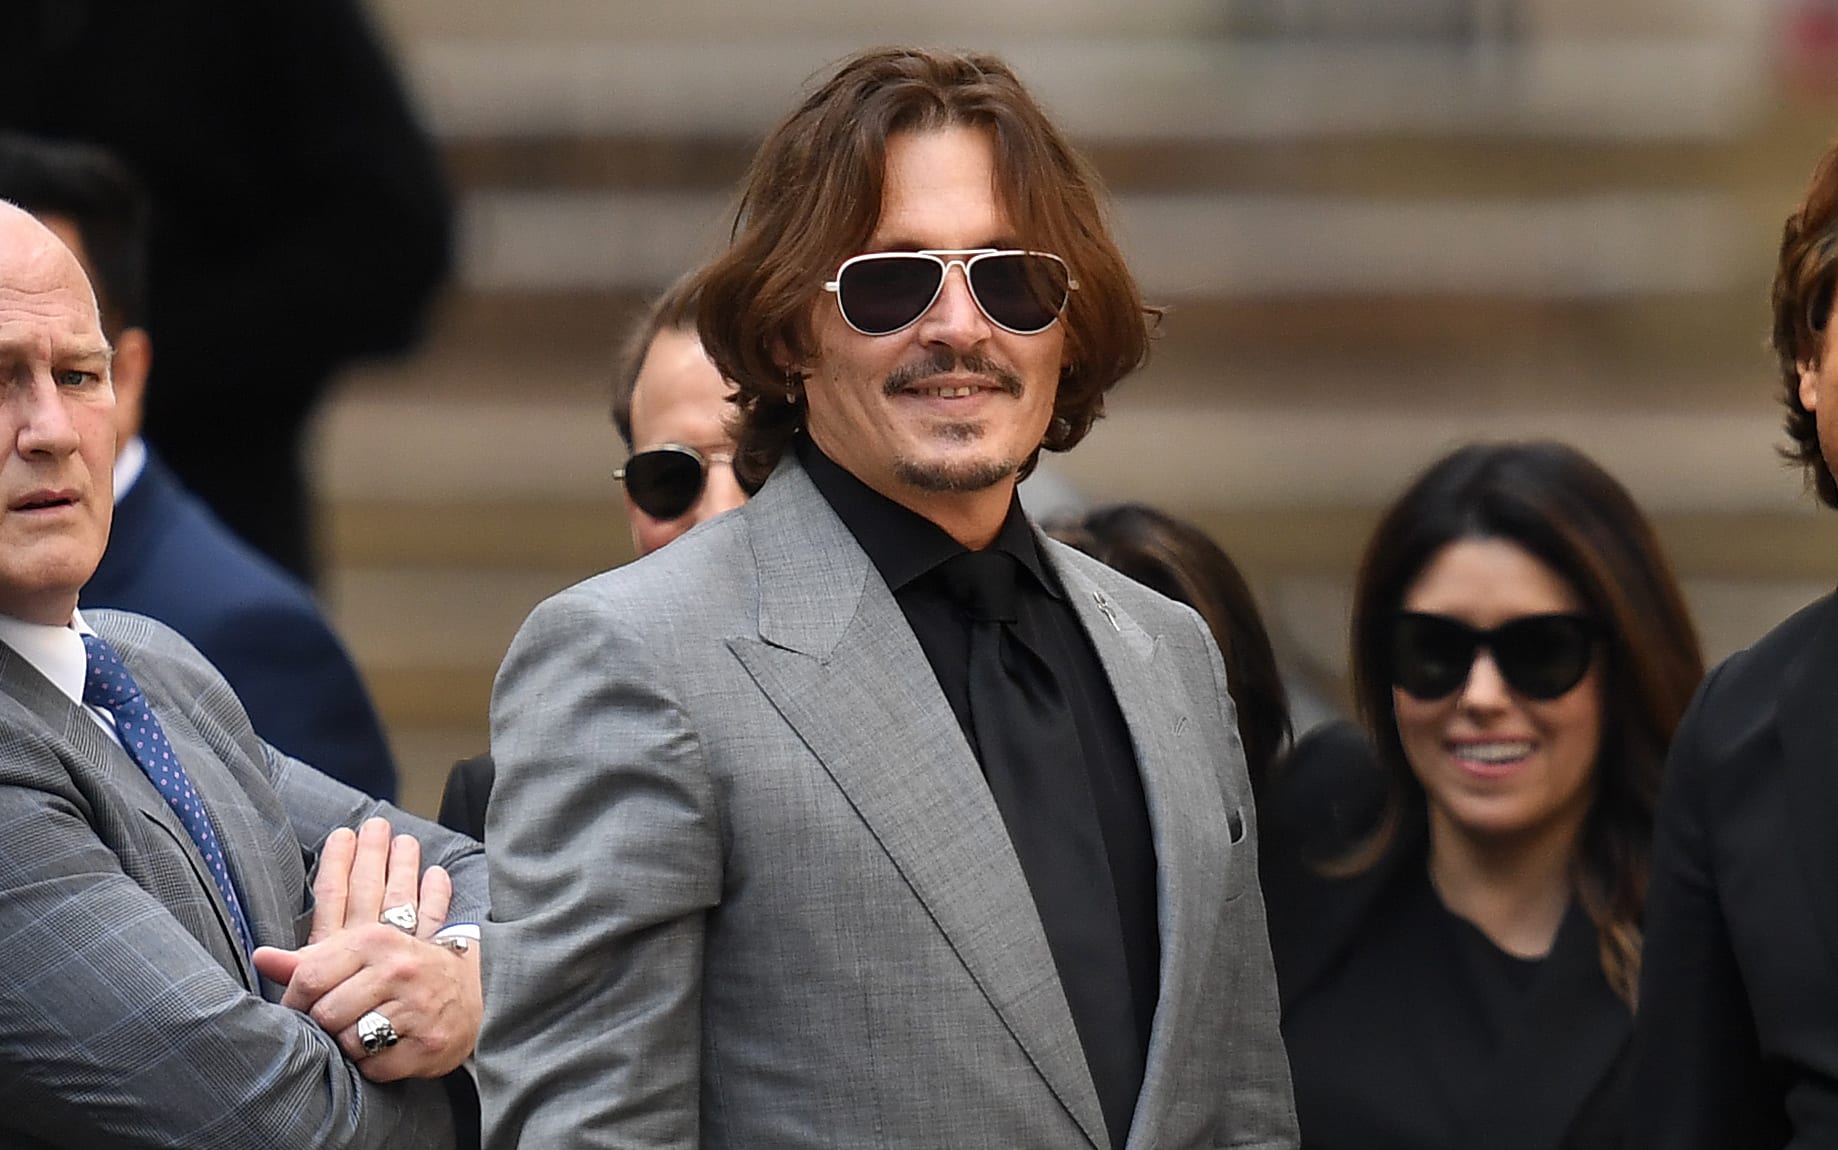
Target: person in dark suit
(168, 556)
(671, 408)
(301, 219)
(1455, 893)
(206, 943)
(1737, 1043)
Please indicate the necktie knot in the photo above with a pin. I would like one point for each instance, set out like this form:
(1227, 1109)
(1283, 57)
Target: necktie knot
(106, 683)
(983, 583)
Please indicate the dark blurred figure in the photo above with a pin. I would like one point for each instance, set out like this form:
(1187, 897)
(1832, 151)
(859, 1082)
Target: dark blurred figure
(300, 219)
(168, 557)
(670, 407)
(1179, 560)
(1738, 1042)
(1456, 916)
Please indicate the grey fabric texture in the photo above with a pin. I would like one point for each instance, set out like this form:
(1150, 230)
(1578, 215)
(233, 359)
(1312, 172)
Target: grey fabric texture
(750, 889)
(130, 1015)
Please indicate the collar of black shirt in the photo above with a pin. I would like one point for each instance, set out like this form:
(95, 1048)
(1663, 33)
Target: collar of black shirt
(902, 544)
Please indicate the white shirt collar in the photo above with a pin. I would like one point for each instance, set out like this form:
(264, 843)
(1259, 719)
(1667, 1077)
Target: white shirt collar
(129, 463)
(55, 652)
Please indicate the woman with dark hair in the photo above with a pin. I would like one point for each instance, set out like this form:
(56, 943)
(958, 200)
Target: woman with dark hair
(1179, 560)
(1456, 896)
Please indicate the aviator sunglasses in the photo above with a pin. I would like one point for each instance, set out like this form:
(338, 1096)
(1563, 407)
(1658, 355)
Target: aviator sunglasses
(883, 292)
(665, 481)
(1539, 656)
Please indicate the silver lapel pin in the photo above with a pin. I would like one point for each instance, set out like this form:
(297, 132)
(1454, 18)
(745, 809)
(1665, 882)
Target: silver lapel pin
(1110, 613)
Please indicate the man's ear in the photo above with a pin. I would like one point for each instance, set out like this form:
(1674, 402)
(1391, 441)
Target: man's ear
(129, 369)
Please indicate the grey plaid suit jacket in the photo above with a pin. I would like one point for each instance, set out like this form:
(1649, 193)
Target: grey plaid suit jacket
(129, 1016)
(750, 888)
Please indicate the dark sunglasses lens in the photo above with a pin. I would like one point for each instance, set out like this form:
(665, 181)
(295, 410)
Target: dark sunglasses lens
(1430, 657)
(886, 293)
(1022, 292)
(1544, 656)
(663, 483)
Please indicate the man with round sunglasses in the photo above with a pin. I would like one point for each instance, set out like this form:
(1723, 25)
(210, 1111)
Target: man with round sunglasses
(1736, 1042)
(866, 815)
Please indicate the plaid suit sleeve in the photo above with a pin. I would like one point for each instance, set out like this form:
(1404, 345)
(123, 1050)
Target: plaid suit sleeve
(118, 1028)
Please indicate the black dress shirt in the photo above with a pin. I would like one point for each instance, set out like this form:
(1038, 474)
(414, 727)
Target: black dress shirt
(906, 548)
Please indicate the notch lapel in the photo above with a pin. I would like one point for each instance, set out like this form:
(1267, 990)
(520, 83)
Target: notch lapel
(91, 749)
(836, 657)
(1180, 785)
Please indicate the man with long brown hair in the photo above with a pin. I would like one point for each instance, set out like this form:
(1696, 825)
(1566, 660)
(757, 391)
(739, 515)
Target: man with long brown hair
(864, 815)
(1736, 1041)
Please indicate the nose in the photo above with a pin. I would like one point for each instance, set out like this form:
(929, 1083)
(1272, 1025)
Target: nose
(42, 418)
(1485, 689)
(720, 492)
(954, 318)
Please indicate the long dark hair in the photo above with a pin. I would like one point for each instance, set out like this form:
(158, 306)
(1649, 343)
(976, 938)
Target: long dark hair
(1557, 504)
(813, 197)
(1182, 562)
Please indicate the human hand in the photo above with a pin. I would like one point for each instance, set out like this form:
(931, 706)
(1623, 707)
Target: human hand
(354, 963)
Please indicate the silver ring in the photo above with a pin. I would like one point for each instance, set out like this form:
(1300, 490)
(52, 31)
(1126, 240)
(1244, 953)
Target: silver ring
(376, 1033)
(402, 917)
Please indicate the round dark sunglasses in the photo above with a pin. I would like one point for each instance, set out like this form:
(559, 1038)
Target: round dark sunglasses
(665, 481)
(1539, 656)
(883, 292)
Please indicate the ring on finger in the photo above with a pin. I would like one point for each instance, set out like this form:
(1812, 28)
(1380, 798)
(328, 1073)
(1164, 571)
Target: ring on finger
(402, 917)
(376, 1033)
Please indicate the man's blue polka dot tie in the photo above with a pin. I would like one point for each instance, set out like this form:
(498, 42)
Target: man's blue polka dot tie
(110, 687)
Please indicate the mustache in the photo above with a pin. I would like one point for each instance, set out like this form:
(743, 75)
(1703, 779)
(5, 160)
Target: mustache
(947, 361)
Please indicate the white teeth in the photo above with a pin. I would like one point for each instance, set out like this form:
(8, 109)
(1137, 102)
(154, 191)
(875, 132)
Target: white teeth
(1503, 752)
(948, 392)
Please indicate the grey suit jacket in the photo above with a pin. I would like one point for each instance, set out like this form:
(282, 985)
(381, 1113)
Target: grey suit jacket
(129, 1015)
(750, 889)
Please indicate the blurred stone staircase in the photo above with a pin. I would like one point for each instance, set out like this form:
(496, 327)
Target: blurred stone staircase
(1371, 251)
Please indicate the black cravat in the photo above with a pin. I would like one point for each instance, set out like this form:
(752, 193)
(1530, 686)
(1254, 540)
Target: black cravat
(1035, 767)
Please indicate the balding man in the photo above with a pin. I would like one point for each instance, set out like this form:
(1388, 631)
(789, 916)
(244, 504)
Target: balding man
(173, 980)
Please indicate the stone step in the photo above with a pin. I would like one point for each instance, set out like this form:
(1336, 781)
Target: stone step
(1195, 245)
(536, 80)
(1257, 453)
(1379, 347)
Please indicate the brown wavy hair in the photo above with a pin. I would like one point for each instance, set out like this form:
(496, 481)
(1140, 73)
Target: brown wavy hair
(1803, 294)
(812, 198)
(1557, 504)
(1181, 561)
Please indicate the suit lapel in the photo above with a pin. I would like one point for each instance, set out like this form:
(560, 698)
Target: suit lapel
(1808, 726)
(90, 748)
(1178, 781)
(837, 659)
(243, 816)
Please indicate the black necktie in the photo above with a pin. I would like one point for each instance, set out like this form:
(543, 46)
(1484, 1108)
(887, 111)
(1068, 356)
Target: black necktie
(1035, 768)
